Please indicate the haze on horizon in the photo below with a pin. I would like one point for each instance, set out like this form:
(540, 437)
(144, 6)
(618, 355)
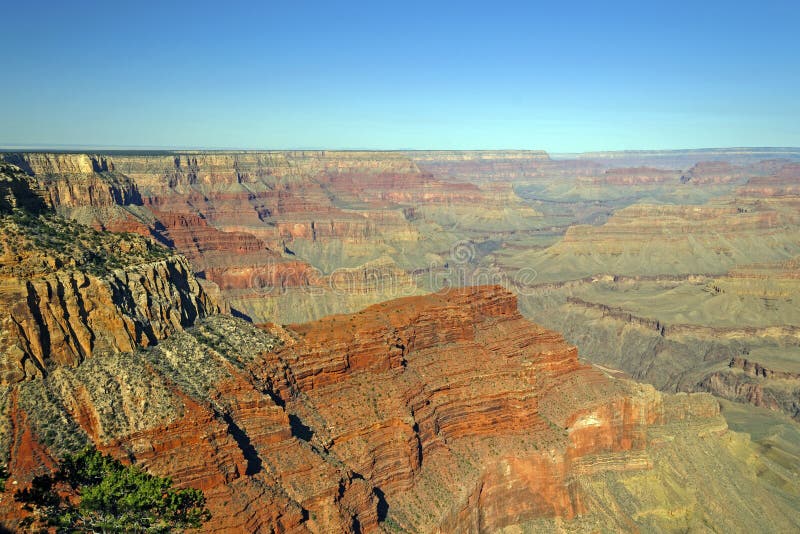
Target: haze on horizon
(511, 75)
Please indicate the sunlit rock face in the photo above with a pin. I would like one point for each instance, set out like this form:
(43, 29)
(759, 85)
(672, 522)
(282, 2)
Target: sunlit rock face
(68, 292)
(443, 412)
(266, 226)
(448, 412)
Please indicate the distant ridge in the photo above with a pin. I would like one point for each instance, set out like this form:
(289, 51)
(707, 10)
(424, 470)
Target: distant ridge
(704, 151)
(762, 152)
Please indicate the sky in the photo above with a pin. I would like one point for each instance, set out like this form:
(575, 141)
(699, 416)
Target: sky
(560, 76)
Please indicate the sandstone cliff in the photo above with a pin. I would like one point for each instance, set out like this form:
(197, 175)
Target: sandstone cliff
(447, 412)
(68, 292)
(66, 317)
(652, 240)
(245, 219)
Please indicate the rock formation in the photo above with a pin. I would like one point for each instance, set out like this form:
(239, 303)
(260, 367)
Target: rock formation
(654, 240)
(447, 412)
(246, 219)
(68, 292)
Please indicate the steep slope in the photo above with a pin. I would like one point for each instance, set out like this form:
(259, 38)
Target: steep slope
(271, 226)
(684, 297)
(448, 412)
(744, 363)
(646, 262)
(655, 240)
(736, 335)
(68, 292)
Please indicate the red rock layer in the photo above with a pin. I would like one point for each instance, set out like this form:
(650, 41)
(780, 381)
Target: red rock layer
(239, 210)
(785, 182)
(637, 176)
(417, 378)
(715, 173)
(238, 216)
(639, 223)
(403, 189)
(358, 414)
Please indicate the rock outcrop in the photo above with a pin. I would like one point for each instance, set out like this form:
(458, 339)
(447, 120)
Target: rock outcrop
(781, 183)
(752, 382)
(652, 240)
(736, 335)
(447, 412)
(66, 317)
(68, 292)
(251, 217)
(634, 176)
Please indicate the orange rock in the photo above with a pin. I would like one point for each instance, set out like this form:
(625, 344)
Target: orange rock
(359, 413)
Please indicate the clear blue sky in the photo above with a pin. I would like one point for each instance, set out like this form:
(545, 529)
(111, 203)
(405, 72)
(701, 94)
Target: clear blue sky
(558, 75)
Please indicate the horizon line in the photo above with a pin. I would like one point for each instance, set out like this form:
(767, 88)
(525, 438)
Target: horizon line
(66, 148)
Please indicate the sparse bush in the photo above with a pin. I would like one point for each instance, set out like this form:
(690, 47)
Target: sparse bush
(93, 492)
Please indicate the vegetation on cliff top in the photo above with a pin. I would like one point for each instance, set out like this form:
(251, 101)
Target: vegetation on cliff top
(35, 241)
(41, 244)
(93, 492)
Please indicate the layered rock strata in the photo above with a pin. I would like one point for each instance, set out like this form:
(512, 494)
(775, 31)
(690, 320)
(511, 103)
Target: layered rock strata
(246, 219)
(68, 292)
(448, 412)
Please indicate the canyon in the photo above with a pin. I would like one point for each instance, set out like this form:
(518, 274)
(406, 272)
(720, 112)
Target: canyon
(389, 341)
(448, 412)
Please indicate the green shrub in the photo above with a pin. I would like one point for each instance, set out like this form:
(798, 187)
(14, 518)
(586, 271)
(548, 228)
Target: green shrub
(105, 495)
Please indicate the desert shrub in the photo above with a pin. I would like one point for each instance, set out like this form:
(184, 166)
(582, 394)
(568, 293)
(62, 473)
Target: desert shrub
(92, 492)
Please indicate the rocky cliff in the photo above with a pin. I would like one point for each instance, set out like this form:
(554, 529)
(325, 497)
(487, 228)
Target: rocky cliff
(652, 240)
(244, 219)
(447, 412)
(735, 335)
(68, 292)
(772, 390)
(783, 182)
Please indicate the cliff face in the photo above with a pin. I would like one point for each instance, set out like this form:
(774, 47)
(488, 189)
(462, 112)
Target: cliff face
(781, 183)
(752, 382)
(66, 317)
(735, 336)
(652, 240)
(68, 292)
(632, 176)
(246, 219)
(681, 331)
(448, 412)
(440, 413)
(745, 388)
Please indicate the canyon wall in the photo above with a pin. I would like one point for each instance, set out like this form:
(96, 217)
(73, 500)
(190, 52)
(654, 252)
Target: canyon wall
(68, 292)
(66, 317)
(736, 335)
(448, 412)
(279, 220)
(445, 412)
